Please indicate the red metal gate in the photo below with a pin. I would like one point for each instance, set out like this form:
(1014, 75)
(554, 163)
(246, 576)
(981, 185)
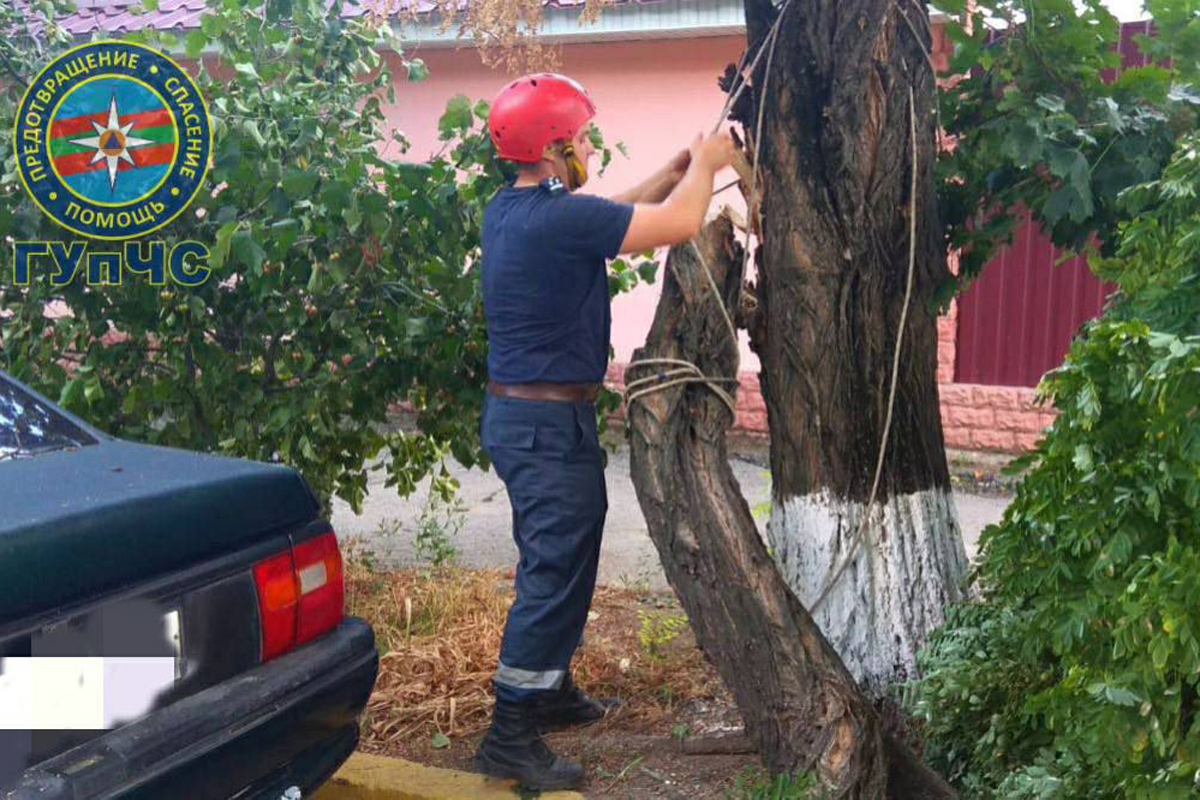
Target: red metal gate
(1017, 319)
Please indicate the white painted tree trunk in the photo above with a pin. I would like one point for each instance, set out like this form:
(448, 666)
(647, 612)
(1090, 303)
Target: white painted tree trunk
(909, 565)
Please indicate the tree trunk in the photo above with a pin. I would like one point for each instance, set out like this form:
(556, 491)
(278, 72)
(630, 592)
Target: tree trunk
(801, 706)
(836, 168)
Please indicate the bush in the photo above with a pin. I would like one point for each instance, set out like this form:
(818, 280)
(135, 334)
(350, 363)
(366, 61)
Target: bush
(1077, 675)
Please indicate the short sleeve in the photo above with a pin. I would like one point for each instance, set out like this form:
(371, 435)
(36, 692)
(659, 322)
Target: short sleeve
(594, 225)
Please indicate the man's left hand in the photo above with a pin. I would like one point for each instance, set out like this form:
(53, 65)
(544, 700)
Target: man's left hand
(679, 164)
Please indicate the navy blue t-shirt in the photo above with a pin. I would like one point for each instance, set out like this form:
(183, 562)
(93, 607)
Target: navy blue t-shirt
(545, 286)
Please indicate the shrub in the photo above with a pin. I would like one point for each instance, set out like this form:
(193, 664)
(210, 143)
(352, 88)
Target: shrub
(1077, 674)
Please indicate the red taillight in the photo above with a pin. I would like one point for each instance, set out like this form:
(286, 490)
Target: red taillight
(319, 573)
(277, 593)
(300, 594)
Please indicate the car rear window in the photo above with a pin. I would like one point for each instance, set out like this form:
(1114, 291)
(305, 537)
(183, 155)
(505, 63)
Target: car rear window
(29, 427)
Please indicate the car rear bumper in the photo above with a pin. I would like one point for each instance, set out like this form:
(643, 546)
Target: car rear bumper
(289, 722)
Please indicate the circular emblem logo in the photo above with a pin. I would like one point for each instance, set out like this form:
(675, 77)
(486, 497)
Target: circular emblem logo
(112, 140)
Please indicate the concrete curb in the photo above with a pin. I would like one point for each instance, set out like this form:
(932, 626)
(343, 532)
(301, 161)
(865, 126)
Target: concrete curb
(369, 777)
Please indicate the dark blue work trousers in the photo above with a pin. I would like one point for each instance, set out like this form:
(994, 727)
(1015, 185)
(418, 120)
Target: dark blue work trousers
(549, 456)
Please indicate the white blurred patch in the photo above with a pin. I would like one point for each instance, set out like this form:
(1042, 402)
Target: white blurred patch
(84, 692)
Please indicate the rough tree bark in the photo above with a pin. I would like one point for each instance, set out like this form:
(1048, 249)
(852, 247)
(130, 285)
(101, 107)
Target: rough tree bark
(802, 708)
(836, 173)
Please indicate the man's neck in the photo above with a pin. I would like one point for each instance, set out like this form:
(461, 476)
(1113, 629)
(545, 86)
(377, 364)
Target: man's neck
(532, 177)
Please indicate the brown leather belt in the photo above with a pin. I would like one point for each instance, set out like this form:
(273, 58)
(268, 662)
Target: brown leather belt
(561, 392)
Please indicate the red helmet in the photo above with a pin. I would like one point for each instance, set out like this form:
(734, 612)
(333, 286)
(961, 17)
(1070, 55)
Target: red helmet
(533, 111)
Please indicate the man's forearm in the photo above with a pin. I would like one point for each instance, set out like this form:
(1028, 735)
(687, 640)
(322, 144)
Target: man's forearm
(654, 189)
(690, 197)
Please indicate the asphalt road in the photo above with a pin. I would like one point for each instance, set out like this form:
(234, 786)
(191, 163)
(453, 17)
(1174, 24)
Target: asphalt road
(388, 524)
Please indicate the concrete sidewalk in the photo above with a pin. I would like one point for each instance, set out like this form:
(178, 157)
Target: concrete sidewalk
(628, 556)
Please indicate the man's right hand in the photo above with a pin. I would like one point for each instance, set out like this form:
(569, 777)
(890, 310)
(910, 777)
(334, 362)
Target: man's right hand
(714, 152)
(678, 218)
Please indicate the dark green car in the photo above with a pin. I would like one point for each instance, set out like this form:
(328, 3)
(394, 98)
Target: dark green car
(171, 623)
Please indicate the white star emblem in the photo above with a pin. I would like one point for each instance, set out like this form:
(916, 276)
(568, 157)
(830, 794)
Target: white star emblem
(112, 142)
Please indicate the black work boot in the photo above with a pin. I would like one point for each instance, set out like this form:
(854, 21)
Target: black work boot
(569, 705)
(513, 749)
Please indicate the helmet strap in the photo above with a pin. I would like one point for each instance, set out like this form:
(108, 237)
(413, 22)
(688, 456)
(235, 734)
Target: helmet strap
(577, 173)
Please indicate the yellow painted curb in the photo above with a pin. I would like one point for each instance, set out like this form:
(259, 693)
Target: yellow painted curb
(370, 777)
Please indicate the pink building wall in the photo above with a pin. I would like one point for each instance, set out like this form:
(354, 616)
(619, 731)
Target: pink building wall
(654, 96)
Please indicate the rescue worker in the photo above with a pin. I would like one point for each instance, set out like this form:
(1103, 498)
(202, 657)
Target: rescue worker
(546, 301)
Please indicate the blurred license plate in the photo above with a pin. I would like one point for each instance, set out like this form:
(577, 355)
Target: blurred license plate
(51, 691)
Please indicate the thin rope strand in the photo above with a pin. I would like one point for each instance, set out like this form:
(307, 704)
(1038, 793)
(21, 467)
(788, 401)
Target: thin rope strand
(762, 48)
(712, 284)
(887, 424)
(754, 213)
(768, 46)
(717, 390)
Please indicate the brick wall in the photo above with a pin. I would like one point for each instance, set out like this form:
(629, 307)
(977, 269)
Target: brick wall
(989, 418)
(997, 418)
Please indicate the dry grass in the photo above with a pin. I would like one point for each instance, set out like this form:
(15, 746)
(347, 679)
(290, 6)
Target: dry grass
(439, 633)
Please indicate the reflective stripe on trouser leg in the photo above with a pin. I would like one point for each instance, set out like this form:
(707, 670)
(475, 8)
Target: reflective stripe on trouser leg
(523, 679)
(555, 482)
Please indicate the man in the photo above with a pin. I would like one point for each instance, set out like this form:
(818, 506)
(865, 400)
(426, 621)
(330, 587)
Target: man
(545, 296)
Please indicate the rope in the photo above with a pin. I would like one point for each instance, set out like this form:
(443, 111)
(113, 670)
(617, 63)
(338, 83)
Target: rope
(712, 284)
(834, 577)
(768, 42)
(754, 213)
(694, 373)
(691, 373)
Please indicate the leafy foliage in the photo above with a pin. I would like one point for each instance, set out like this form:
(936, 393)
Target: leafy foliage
(657, 630)
(437, 527)
(1042, 121)
(1078, 675)
(342, 281)
(754, 784)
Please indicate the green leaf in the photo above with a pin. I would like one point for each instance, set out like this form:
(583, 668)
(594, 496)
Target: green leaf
(194, 43)
(247, 69)
(251, 127)
(92, 390)
(1064, 160)
(198, 307)
(457, 117)
(439, 741)
(1051, 103)
(220, 249)
(71, 392)
(299, 182)
(248, 251)
(1083, 458)
(1063, 203)
(417, 71)
(414, 327)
